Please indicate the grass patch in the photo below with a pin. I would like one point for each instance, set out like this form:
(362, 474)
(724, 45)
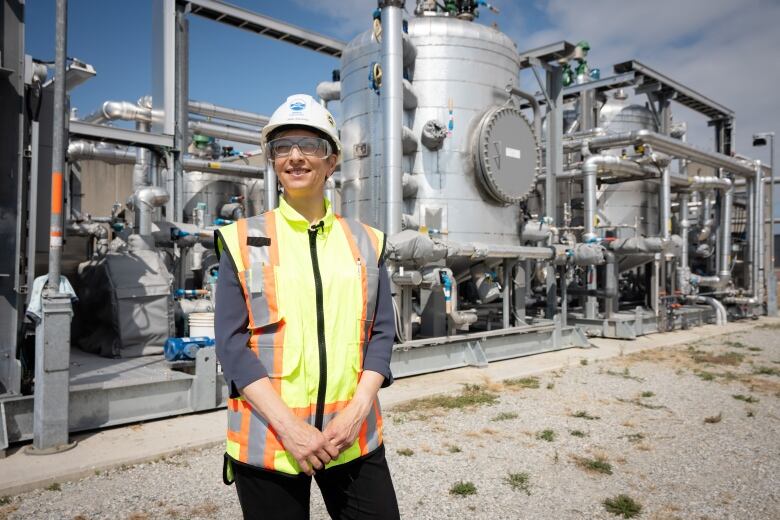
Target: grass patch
(577, 433)
(625, 374)
(634, 437)
(519, 481)
(54, 487)
(463, 489)
(623, 505)
(647, 394)
(471, 395)
(755, 349)
(583, 362)
(582, 414)
(766, 371)
(546, 435)
(550, 385)
(4, 501)
(595, 465)
(751, 413)
(505, 416)
(714, 419)
(728, 358)
(704, 375)
(405, 452)
(453, 449)
(735, 344)
(746, 398)
(523, 382)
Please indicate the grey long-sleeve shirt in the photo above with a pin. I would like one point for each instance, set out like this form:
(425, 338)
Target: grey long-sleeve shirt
(241, 367)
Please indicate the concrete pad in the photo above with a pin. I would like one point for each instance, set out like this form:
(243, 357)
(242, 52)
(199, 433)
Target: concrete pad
(137, 443)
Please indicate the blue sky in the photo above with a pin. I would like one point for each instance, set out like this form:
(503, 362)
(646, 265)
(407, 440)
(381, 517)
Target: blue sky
(724, 49)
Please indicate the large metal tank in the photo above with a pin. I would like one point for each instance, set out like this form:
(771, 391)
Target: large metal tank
(459, 77)
(215, 190)
(629, 205)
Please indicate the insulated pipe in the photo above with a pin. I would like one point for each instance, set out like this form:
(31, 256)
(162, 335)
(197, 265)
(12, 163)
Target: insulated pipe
(144, 201)
(721, 317)
(683, 273)
(204, 108)
(125, 111)
(391, 97)
(231, 133)
(329, 90)
(514, 91)
(88, 151)
(57, 155)
(758, 233)
(750, 233)
(226, 168)
(707, 221)
(410, 96)
(724, 260)
(665, 203)
(671, 146)
(479, 251)
(142, 159)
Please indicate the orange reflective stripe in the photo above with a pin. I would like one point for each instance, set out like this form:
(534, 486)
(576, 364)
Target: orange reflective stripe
(272, 445)
(363, 437)
(378, 422)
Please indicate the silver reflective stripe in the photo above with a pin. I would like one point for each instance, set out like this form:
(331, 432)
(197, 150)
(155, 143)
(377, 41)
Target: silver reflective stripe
(255, 227)
(363, 241)
(234, 421)
(258, 431)
(259, 256)
(372, 435)
(372, 283)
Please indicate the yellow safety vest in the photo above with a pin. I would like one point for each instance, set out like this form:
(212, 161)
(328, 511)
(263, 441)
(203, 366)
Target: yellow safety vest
(311, 296)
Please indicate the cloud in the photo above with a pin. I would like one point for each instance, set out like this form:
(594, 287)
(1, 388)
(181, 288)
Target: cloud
(351, 17)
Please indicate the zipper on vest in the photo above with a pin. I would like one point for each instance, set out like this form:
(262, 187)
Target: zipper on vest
(318, 418)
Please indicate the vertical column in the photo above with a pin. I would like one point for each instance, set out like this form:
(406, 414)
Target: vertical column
(391, 99)
(52, 338)
(554, 161)
(182, 95)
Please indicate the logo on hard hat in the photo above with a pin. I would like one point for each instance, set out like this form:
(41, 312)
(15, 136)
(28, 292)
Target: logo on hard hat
(331, 121)
(297, 106)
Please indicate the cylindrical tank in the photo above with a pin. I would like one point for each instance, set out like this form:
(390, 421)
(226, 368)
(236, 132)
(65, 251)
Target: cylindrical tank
(214, 190)
(629, 203)
(459, 74)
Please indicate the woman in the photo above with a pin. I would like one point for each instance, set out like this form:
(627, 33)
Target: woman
(304, 327)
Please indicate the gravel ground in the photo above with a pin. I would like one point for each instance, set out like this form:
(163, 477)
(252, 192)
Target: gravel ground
(663, 426)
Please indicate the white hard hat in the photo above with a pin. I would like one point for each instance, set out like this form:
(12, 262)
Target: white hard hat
(303, 110)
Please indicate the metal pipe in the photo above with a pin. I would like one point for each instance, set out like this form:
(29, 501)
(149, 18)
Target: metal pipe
(479, 251)
(144, 201)
(758, 258)
(721, 317)
(207, 109)
(226, 168)
(665, 203)
(724, 259)
(741, 300)
(537, 111)
(142, 158)
(58, 152)
(683, 271)
(671, 146)
(231, 133)
(182, 95)
(88, 151)
(392, 110)
(707, 220)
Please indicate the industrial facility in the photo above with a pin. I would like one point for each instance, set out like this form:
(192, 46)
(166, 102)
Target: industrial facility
(519, 219)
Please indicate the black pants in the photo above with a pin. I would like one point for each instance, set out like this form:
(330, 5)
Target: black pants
(356, 490)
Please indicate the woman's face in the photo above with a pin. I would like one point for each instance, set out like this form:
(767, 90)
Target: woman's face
(303, 175)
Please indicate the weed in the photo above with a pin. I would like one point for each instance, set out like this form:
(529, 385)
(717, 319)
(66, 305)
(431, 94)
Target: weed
(596, 465)
(766, 371)
(746, 398)
(555, 457)
(582, 414)
(550, 385)
(641, 404)
(728, 358)
(471, 395)
(405, 452)
(97, 472)
(546, 435)
(207, 509)
(735, 344)
(523, 382)
(5, 500)
(54, 487)
(583, 362)
(463, 489)
(633, 437)
(623, 505)
(704, 375)
(714, 419)
(505, 416)
(453, 449)
(577, 433)
(647, 394)
(625, 374)
(755, 349)
(751, 413)
(519, 481)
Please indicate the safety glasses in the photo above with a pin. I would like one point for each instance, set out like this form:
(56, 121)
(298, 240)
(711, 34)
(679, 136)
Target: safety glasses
(311, 146)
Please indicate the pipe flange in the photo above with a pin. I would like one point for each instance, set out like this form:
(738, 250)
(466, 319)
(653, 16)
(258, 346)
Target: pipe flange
(506, 154)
